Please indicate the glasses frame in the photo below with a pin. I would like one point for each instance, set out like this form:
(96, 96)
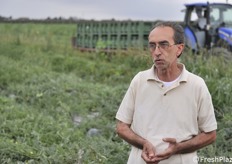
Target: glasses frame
(163, 45)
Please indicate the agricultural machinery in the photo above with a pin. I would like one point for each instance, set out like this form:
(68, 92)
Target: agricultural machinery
(208, 25)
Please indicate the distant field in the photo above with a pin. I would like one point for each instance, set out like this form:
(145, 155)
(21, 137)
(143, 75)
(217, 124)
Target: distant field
(58, 104)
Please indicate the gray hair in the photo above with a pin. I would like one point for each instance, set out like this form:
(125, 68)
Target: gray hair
(178, 30)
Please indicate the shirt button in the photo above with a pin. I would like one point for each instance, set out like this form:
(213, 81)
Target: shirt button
(162, 85)
(165, 94)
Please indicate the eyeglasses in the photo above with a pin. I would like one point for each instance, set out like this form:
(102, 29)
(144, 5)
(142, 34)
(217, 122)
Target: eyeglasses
(160, 45)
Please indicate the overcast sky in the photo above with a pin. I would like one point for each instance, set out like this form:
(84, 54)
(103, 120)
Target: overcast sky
(97, 9)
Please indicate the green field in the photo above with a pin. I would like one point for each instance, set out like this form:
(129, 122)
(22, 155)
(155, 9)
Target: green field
(53, 97)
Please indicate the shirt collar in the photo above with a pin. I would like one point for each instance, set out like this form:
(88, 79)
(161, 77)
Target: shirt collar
(152, 76)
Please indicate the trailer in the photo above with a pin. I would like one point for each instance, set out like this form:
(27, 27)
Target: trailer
(110, 35)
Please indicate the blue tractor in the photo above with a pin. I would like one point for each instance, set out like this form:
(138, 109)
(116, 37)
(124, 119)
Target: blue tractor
(208, 25)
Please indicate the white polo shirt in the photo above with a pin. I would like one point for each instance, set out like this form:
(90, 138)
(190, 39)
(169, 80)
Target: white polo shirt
(179, 111)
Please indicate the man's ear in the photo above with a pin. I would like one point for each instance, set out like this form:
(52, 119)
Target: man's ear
(180, 49)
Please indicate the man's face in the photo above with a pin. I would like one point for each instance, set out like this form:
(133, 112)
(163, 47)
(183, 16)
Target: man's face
(162, 47)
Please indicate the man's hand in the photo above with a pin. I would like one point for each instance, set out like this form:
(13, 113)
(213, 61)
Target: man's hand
(197, 142)
(172, 148)
(148, 153)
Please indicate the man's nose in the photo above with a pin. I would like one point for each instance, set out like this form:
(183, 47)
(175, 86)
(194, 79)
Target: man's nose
(156, 51)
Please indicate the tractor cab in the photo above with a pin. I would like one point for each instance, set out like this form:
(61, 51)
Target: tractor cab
(208, 25)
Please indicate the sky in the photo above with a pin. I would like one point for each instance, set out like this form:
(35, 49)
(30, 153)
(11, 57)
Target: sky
(97, 9)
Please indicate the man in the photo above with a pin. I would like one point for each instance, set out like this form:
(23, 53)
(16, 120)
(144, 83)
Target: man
(167, 112)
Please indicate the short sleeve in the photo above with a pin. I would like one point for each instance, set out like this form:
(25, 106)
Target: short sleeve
(206, 116)
(125, 112)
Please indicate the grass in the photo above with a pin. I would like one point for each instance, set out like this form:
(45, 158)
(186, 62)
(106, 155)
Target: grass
(45, 85)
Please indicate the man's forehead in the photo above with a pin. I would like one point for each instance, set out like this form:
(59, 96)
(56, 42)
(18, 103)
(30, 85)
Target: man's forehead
(159, 42)
(160, 34)
(163, 30)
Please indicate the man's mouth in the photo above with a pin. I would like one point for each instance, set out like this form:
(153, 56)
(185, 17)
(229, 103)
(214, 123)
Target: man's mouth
(158, 60)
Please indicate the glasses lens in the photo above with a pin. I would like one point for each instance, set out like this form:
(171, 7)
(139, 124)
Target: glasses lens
(164, 46)
(152, 46)
(161, 46)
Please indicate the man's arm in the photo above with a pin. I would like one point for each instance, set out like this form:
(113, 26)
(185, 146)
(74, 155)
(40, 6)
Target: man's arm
(126, 133)
(201, 140)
